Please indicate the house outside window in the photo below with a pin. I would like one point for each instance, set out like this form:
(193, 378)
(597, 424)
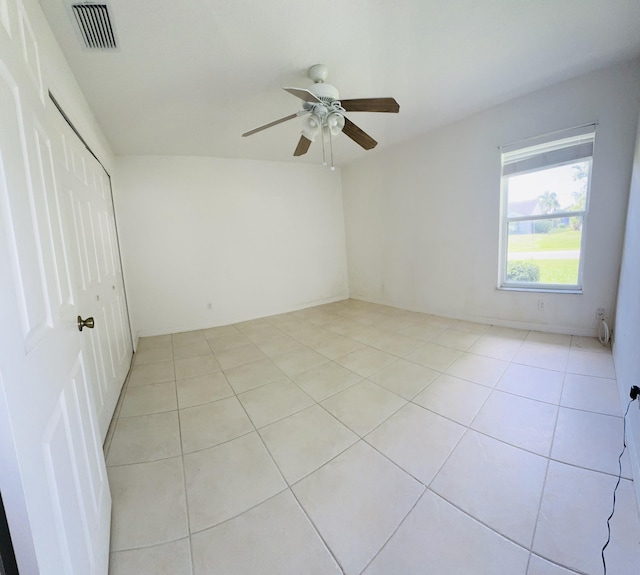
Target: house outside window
(545, 198)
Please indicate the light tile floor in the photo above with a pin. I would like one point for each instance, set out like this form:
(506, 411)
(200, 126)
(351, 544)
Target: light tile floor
(356, 438)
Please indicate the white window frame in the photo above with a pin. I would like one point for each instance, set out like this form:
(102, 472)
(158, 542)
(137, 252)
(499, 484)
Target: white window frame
(565, 147)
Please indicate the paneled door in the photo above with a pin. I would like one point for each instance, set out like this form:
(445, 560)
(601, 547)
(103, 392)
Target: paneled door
(97, 277)
(57, 261)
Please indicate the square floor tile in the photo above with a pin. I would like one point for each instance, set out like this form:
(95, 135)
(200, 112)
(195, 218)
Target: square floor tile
(336, 346)
(504, 490)
(173, 558)
(146, 399)
(298, 360)
(438, 538)
(454, 398)
(572, 522)
(471, 327)
(417, 440)
(274, 401)
(522, 422)
(396, 344)
(145, 438)
(238, 356)
(154, 342)
(229, 341)
(459, 340)
(228, 479)
(593, 363)
(305, 441)
(153, 355)
(252, 375)
(363, 406)
(580, 342)
(203, 389)
(220, 331)
(273, 346)
(546, 356)
(273, 538)
(590, 440)
(559, 339)
(366, 361)
(152, 373)
(213, 423)
(478, 369)
(532, 382)
(148, 504)
(589, 393)
(507, 332)
(194, 366)
(422, 331)
(405, 378)
(356, 502)
(193, 349)
(443, 322)
(434, 356)
(326, 380)
(187, 337)
(495, 346)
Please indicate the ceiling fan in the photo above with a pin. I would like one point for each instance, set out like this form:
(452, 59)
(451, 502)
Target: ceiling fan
(325, 114)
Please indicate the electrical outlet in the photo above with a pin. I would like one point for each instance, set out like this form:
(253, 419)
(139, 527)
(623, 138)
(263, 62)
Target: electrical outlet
(208, 306)
(540, 305)
(600, 313)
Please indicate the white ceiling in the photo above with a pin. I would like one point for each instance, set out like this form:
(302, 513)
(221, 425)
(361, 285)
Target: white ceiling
(189, 77)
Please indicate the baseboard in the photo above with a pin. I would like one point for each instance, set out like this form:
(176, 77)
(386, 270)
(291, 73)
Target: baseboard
(239, 319)
(529, 326)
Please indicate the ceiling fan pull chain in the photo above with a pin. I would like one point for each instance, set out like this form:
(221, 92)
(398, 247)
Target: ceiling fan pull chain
(331, 149)
(324, 160)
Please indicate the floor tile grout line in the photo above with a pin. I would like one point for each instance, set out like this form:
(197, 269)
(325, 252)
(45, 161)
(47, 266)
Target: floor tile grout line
(288, 487)
(184, 486)
(386, 542)
(546, 474)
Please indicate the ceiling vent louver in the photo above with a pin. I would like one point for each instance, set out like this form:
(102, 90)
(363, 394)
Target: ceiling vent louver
(95, 25)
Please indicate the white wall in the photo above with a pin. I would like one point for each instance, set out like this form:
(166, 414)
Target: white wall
(422, 220)
(251, 238)
(626, 353)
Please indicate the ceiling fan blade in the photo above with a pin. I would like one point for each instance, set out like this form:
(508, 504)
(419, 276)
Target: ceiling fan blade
(302, 147)
(275, 123)
(357, 135)
(371, 105)
(302, 94)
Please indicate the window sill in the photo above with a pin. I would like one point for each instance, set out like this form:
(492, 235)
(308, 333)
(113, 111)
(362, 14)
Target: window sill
(548, 289)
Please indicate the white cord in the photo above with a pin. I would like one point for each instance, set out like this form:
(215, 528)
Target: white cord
(603, 332)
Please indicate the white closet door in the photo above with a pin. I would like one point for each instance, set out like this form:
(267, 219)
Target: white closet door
(97, 276)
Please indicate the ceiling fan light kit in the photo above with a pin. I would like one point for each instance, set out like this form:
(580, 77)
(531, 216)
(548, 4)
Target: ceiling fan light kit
(325, 114)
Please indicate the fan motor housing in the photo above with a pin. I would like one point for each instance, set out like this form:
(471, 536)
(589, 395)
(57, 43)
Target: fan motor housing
(322, 90)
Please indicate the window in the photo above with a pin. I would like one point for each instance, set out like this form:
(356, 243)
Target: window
(545, 198)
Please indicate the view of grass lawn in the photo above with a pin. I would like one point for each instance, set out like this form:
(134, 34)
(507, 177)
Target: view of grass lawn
(529, 249)
(561, 239)
(556, 271)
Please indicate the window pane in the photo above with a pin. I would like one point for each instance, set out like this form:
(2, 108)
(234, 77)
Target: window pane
(557, 189)
(544, 251)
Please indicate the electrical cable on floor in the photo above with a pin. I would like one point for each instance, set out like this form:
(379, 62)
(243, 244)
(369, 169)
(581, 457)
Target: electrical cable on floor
(603, 332)
(635, 391)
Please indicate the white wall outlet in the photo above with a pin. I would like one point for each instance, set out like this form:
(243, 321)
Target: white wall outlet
(540, 305)
(600, 313)
(208, 306)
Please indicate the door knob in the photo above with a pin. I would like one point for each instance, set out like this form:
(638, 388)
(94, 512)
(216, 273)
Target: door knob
(85, 323)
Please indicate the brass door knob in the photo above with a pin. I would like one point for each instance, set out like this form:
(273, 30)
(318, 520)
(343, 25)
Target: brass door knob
(85, 323)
